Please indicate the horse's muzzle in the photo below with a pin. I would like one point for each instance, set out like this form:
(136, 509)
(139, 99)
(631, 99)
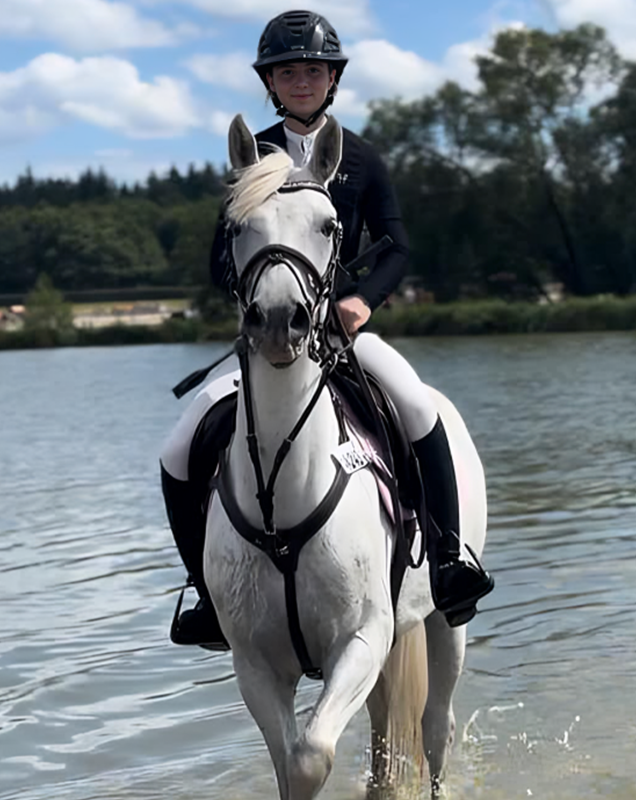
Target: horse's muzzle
(279, 333)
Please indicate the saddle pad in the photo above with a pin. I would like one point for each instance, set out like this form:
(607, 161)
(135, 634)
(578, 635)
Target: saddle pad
(364, 450)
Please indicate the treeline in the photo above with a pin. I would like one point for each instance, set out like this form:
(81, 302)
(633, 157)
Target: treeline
(93, 234)
(97, 187)
(528, 179)
(524, 181)
(119, 244)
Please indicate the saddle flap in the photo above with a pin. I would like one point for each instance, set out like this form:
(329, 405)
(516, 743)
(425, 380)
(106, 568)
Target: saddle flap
(349, 395)
(212, 436)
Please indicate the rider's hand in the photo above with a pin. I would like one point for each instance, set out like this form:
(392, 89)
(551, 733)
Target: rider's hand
(354, 312)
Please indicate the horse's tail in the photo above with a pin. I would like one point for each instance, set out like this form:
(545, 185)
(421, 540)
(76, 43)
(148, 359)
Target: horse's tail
(406, 676)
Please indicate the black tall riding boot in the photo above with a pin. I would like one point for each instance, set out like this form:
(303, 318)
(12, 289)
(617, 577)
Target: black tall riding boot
(456, 585)
(200, 624)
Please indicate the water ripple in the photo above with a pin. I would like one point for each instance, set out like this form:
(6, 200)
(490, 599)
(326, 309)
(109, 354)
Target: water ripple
(96, 703)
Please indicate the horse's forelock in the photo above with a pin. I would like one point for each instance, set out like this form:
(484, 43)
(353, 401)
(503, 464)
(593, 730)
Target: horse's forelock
(256, 183)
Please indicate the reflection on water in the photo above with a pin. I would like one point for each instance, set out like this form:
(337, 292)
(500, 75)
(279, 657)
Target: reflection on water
(94, 701)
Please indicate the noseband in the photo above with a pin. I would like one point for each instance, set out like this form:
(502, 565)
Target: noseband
(316, 289)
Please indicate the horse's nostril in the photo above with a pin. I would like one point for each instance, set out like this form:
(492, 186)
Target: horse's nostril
(253, 317)
(300, 322)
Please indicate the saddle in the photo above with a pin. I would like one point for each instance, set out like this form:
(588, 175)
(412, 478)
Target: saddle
(215, 430)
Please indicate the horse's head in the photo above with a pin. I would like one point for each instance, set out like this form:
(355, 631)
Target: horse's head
(284, 239)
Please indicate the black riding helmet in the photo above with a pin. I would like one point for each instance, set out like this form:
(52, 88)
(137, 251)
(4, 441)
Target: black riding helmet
(299, 36)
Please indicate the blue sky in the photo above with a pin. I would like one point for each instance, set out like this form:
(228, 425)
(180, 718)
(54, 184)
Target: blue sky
(136, 85)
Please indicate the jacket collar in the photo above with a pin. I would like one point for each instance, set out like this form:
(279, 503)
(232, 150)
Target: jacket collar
(274, 135)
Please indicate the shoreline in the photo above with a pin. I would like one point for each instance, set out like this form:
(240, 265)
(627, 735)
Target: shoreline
(474, 318)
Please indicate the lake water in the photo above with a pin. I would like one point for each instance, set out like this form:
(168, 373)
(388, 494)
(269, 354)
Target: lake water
(96, 703)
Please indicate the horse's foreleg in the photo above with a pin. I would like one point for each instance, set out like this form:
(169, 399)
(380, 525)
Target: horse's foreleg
(348, 681)
(270, 700)
(445, 661)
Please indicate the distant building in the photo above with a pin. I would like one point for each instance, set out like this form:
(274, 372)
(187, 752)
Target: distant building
(12, 319)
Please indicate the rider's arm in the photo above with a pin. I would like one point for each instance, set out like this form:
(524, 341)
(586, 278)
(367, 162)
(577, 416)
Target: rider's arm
(381, 214)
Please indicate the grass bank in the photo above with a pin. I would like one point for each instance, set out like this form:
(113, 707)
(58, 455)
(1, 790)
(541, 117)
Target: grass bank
(453, 319)
(172, 331)
(496, 317)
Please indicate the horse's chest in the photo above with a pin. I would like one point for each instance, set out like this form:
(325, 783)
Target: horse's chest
(336, 577)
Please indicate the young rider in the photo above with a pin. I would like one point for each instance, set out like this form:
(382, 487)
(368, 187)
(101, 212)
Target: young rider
(300, 61)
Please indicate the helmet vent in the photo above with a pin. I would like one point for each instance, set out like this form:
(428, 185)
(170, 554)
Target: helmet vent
(331, 43)
(296, 21)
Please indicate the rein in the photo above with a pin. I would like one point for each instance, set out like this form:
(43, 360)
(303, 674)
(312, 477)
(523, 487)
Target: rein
(282, 546)
(265, 494)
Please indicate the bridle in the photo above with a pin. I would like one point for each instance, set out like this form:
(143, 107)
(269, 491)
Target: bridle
(317, 289)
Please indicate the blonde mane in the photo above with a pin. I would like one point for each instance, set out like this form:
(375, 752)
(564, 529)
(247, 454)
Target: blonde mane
(256, 183)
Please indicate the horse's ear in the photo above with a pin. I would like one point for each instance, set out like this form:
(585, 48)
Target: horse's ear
(243, 148)
(327, 152)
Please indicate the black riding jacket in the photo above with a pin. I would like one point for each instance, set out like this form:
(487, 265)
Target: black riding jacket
(362, 195)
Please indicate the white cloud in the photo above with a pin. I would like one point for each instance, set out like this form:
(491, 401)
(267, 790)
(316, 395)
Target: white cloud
(219, 122)
(107, 92)
(378, 70)
(25, 121)
(459, 62)
(349, 104)
(84, 25)
(232, 71)
(618, 17)
(349, 17)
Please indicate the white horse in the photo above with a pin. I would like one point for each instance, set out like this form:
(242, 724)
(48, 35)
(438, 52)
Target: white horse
(344, 605)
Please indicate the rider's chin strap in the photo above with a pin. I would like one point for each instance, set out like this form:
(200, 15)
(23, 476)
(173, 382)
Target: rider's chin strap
(281, 111)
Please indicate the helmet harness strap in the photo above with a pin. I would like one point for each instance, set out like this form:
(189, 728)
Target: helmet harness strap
(284, 112)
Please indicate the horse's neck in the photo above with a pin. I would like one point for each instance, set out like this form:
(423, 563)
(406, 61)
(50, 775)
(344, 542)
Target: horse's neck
(279, 398)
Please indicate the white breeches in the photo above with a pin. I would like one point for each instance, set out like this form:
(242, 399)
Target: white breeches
(412, 399)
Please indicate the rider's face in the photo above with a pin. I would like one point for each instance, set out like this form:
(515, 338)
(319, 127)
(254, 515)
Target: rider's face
(302, 86)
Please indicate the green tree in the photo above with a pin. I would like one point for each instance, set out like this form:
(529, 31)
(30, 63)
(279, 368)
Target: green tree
(511, 185)
(535, 92)
(193, 227)
(47, 316)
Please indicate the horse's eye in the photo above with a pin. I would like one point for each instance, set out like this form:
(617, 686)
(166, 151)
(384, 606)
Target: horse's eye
(329, 227)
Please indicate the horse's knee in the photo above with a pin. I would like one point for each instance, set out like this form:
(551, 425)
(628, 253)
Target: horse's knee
(309, 765)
